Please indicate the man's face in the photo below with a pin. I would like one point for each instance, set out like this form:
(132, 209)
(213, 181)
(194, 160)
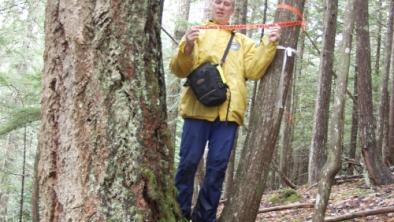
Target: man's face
(222, 11)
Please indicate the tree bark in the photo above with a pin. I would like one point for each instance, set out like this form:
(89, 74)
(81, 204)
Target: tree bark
(229, 177)
(379, 38)
(286, 160)
(354, 128)
(384, 97)
(104, 144)
(255, 84)
(238, 18)
(377, 171)
(241, 10)
(333, 164)
(317, 155)
(389, 152)
(264, 129)
(296, 153)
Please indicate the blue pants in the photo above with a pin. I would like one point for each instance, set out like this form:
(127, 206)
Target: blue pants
(194, 137)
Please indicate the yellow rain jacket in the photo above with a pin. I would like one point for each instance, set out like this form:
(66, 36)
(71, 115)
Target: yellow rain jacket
(245, 60)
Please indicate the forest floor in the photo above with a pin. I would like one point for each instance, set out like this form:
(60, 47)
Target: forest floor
(345, 198)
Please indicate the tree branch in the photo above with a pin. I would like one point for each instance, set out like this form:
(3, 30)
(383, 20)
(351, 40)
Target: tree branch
(286, 207)
(352, 215)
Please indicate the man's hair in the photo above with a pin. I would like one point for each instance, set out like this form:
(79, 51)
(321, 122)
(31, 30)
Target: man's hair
(232, 2)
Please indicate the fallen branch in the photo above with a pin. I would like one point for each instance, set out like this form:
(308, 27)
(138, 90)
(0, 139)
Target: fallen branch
(285, 179)
(286, 207)
(384, 210)
(343, 179)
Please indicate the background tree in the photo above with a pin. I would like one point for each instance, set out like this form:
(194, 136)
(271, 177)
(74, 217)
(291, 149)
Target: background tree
(174, 83)
(382, 141)
(104, 146)
(333, 164)
(377, 171)
(317, 154)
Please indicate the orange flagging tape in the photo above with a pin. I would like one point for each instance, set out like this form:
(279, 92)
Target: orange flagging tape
(294, 10)
(251, 26)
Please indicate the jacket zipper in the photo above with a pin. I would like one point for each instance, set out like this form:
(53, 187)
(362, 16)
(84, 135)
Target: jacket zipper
(207, 94)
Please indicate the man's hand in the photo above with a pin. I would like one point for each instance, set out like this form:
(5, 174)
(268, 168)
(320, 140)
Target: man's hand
(274, 34)
(190, 36)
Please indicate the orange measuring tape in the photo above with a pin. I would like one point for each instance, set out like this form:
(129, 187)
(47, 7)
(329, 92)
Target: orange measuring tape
(294, 10)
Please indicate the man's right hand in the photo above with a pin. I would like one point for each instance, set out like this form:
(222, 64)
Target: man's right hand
(190, 36)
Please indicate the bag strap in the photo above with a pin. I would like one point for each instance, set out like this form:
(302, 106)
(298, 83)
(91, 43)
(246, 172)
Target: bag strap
(227, 48)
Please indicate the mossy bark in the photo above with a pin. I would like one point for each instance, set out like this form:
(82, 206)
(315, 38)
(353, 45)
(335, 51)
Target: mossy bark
(104, 143)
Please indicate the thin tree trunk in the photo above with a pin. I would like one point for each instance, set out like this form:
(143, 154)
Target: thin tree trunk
(389, 152)
(23, 175)
(104, 146)
(294, 175)
(333, 164)
(255, 84)
(174, 84)
(199, 178)
(207, 10)
(384, 99)
(377, 171)
(4, 180)
(354, 128)
(379, 38)
(317, 155)
(285, 156)
(239, 17)
(229, 178)
(264, 129)
(35, 190)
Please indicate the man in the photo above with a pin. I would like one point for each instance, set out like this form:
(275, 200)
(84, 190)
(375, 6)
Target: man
(217, 125)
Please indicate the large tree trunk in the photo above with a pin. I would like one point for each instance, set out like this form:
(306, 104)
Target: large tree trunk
(317, 155)
(377, 171)
(264, 129)
(104, 144)
(333, 163)
(384, 97)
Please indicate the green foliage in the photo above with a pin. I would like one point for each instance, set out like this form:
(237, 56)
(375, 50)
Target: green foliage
(20, 118)
(285, 196)
(21, 64)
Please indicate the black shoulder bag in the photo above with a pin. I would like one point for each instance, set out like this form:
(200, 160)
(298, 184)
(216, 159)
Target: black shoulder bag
(206, 81)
